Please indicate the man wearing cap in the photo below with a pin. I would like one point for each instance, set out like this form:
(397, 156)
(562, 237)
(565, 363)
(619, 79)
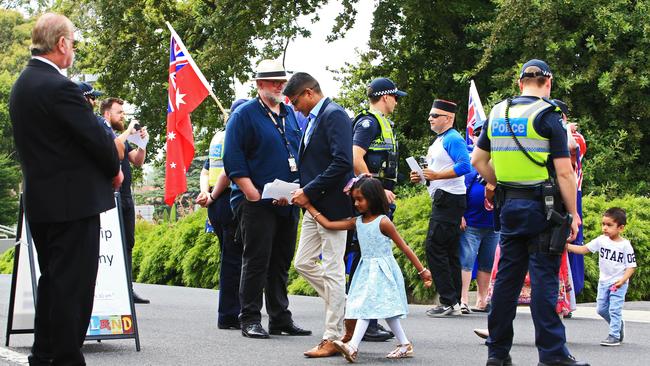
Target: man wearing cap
(375, 151)
(261, 145)
(448, 162)
(524, 135)
(325, 168)
(112, 119)
(68, 163)
(90, 93)
(215, 196)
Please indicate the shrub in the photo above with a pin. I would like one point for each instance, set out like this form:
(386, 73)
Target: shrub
(182, 254)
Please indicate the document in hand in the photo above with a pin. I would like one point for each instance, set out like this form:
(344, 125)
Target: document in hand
(279, 189)
(136, 139)
(413, 164)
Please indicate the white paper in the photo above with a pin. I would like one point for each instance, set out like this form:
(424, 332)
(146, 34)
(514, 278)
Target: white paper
(136, 139)
(279, 189)
(413, 164)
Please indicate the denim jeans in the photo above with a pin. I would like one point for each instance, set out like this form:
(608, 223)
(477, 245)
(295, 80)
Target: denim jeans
(481, 242)
(609, 305)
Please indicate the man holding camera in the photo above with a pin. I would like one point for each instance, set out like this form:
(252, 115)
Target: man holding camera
(514, 153)
(112, 114)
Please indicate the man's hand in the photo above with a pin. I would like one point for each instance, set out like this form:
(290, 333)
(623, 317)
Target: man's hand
(143, 133)
(390, 196)
(463, 223)
(299, 198)
(253, 196)
(281, 202)
(488, 202)
(415, 177)
(429, 174)
(575, 222)
(202, 199)
(131, 127)
(117, 180)
(426, 277)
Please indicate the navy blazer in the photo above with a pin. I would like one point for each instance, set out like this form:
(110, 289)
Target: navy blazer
(325, 164)
(67, 158)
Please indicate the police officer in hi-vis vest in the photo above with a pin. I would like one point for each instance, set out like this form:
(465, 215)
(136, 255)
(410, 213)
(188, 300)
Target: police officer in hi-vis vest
(523, 154)
(215, 195)
(374, 151)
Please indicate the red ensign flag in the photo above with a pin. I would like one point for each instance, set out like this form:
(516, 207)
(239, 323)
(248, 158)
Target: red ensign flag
(187, 89)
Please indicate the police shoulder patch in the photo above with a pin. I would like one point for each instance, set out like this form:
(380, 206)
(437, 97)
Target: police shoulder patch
(365, 123)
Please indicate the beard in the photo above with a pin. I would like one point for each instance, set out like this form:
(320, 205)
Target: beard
(117, 125)
(271, 96)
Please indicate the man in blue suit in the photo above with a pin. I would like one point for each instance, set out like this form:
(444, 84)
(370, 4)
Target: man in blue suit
(325, 166)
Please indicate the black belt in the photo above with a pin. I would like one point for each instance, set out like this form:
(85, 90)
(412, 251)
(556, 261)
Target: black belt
(523, 193)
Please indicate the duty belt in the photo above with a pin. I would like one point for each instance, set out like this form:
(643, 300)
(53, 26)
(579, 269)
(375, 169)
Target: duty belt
(533, 193)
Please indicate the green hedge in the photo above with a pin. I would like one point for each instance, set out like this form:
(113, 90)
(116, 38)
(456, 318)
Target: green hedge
(182, 254)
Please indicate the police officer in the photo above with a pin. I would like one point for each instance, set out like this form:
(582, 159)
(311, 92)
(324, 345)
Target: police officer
(522, 135)
(215, 196)
(375, 151)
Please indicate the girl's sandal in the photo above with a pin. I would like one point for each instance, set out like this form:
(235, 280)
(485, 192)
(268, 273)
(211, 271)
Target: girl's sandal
(347, 350)
(398, 353)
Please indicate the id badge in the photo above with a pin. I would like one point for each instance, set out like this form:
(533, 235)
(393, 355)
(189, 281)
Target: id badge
(292, 164)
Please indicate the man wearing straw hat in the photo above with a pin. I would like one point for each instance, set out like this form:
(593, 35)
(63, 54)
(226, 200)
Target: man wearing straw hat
(262, 140)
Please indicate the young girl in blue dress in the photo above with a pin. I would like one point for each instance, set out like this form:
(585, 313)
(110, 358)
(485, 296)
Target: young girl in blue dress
(377, 289)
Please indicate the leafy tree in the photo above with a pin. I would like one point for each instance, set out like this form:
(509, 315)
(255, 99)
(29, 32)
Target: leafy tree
(9, 179)
(597, 50)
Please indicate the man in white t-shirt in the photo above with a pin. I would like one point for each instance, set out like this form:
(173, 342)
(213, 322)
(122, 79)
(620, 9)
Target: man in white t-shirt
(617, 264)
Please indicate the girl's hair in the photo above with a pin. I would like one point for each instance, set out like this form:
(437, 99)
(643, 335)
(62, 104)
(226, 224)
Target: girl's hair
(373, 191)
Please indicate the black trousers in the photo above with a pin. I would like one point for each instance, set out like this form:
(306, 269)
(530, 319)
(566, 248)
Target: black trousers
(269, 242)
(128, 220)
(67, 258)
(225, 226)
(442, 243)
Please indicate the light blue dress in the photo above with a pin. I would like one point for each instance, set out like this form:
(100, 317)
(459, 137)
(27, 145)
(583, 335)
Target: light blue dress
(377, 289)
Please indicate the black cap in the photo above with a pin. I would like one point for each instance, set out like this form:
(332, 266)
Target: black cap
(384, 86)
(444, 105)
(543, 66)
(563, 107)
(88, 90)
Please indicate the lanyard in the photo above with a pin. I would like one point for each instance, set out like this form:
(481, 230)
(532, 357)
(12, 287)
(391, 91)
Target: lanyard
(281, 130)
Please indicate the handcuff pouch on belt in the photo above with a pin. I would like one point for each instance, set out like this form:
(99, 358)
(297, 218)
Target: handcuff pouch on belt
(553, 240)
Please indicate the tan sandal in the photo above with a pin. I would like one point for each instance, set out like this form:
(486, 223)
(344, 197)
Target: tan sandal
(398, 353)
(347, 350)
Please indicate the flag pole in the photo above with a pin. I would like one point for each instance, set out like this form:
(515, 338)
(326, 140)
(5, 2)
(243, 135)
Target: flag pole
(198, 71)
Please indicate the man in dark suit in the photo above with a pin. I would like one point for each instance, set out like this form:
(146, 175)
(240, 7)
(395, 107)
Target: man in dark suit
(67, 162)
(325, 166)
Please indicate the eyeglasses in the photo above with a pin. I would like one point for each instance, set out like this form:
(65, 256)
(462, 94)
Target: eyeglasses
(294, 101)
(73, 42)
(436, 115)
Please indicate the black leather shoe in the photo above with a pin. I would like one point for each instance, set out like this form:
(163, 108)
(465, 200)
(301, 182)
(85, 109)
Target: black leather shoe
(291, 329)
(493, 361)
(254, 330)
(374, 334)
(566, 361)
(139, 300)
(39, 360)
(229, 325)
(380, 327)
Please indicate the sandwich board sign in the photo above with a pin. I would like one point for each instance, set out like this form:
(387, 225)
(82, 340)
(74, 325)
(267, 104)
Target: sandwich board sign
(113, 315)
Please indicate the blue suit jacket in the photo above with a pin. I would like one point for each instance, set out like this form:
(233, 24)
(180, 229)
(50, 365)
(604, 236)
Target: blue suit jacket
(325, 164)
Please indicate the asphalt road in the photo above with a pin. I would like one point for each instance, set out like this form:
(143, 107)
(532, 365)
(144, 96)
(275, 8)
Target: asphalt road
(179, 328)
